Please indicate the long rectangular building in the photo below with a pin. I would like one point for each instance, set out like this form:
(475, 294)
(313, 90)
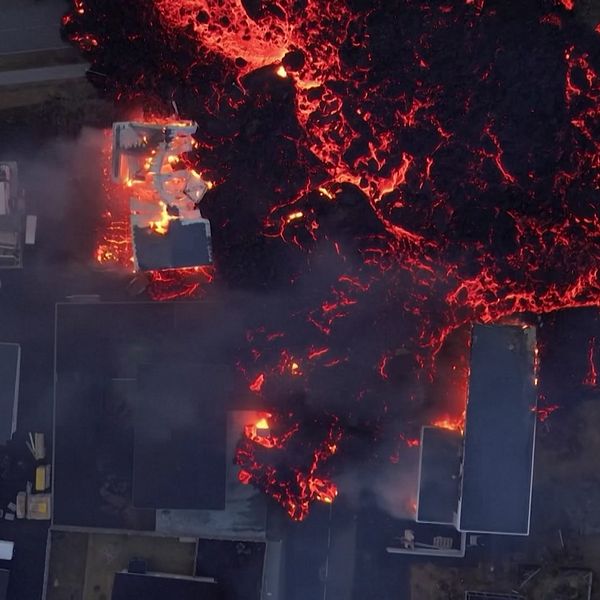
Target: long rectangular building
(499, 431)
(439, 475)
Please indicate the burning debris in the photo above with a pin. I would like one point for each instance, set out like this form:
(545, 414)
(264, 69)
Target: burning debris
(442, 187)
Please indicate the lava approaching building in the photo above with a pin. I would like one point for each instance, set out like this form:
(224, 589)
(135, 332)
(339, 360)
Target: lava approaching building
(482, 482)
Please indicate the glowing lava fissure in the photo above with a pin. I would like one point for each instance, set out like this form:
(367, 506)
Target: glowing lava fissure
(444, 157)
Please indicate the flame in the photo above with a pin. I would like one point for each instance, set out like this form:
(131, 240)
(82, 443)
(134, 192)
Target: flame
(281, 72)
(262, 423)
(162, 226)
(451, 423)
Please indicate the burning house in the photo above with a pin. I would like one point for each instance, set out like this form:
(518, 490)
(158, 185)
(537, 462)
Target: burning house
(481, 482)
(167, 229)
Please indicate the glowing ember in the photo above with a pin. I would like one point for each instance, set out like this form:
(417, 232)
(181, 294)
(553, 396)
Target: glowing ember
(546, 411)
(591, 377)
(257, 384)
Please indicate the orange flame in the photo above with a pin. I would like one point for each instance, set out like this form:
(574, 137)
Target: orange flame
(162, 226)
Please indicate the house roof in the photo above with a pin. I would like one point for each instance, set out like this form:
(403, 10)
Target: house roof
(183, 245)
(179, 438)
(499, 431)
(439, 470)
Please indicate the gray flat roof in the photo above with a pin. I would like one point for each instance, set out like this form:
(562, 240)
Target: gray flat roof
(245, 513)
(439, 475)
(10, 359)
(183, 245)
(179, 437)
(499, 431)
(100, 348)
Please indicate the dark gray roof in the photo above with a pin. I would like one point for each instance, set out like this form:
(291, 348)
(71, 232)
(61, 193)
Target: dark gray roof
(10, 355)
(99, 350)
(439, 469)
(499, 431)
(129, 586)
(179, 438)
(181, 246)
(4, 576)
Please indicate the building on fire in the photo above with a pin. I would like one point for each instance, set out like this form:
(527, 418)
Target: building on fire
(167, 229)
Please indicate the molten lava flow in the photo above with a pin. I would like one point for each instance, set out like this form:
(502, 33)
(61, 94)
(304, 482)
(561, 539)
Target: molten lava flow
(407, 147)
(257, 383)
(293, 486)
